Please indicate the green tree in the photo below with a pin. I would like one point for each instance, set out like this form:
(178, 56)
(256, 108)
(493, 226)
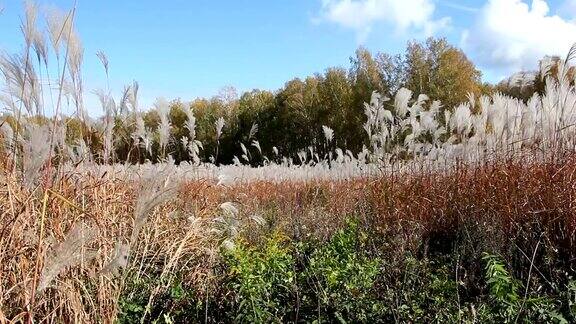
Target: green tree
(336, 98)
(441, 71)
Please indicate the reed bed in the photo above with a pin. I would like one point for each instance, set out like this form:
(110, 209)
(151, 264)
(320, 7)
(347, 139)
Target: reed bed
(62, 252)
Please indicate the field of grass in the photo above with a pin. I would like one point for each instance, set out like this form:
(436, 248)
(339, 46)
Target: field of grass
(485, 244)
(457, 214)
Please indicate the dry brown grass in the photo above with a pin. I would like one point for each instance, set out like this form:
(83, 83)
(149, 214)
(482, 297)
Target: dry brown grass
(83, 292)
(508, 207)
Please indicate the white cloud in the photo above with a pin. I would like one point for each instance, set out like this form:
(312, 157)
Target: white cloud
(511, 34)
(360, 15)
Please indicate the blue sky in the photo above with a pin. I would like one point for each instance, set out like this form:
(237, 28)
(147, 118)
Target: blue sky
(186, 49)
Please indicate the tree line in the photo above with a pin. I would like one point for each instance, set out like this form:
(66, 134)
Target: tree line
(261, 124)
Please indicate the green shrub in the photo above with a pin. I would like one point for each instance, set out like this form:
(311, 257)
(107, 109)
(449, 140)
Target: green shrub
(173, 302)
(507, 304)
(426, 291)
(342, 278)
(262, 280)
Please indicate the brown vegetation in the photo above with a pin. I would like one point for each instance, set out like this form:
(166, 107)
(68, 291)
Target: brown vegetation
(511, 208)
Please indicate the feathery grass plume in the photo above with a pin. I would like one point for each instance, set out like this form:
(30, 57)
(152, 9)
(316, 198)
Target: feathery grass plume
(378, 126)
(246, 154)
(253, 130)
(140, 127)
(521, 80)
(311, 150)
(219, 125)
(119, 260)
(67, 90)
(339, 155)
(59, 133)
(350, 155)
(41, 50)
(133, 99)
(147, 141)
(256, 144)
(139, 130)
(109, 107)
(223, 179)
(108, 138)
(258, 219)
(545, 65)
(71, 252)
(107, 103)
(303, 156)
(461, 120)
(184, 141)
(125, 100)
(227, 225)
(40, 47)
(75, 56)
(104, 60)
(192, 145)
(79, 152)
(21, 83)
(6, 100)
(163, 108)
(28, 27)
(401, 100)
(154, 190)
(7, 134)
(35, 152)
(472, 100)
(190, 121)
(58, 23)
(328, 133)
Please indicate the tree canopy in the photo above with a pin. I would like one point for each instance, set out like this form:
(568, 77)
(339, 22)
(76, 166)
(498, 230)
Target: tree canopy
(259, 123)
